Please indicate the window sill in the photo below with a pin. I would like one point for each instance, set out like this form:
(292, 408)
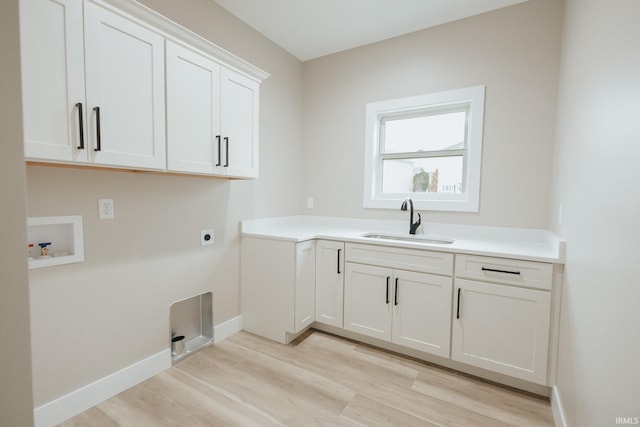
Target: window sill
(462, 205)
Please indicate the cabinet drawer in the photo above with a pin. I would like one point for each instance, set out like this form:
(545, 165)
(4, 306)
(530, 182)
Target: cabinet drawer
(528, 274)
(401, 258)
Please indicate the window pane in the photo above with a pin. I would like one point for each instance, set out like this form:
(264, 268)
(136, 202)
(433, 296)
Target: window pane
(426, 133)
(438, 175)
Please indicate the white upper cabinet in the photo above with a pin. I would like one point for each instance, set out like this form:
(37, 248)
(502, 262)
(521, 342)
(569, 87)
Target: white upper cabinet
(212, 116)
(53, 80)
(71, 46)
(125, 90)
(94, 91)
(193, 112)
(240, 97)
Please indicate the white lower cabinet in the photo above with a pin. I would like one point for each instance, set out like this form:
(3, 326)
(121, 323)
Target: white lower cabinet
(304, 285)
(277, 287)
(492, 313)
(367, 300)
(404, 307)
(502, 328)
(422, 312)
(329, 282)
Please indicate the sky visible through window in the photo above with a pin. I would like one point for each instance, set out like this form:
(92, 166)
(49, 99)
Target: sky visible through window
(426, 133)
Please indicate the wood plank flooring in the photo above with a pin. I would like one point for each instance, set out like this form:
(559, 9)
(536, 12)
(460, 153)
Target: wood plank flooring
(318, 380)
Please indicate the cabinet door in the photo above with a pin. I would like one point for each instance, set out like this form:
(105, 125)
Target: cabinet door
(239, 124)
(52, 79)
(125, 80)
(329, 282)
(367, 300)
(305, 285)
(501, 328)
(267, 287)
(193, 112)
(422, 312)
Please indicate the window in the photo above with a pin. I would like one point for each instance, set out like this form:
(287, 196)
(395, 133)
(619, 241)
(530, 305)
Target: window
(425, 147)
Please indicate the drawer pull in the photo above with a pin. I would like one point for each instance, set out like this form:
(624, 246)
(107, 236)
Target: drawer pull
(395, 297)
(80, 126)
(226, 142)
(219, 151)
(98, 141)
(388, 278)
(492, 270)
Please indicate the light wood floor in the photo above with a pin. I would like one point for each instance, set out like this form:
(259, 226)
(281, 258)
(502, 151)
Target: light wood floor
(318, 380)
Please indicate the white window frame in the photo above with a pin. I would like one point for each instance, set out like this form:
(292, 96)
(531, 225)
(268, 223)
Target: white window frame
(469, 200)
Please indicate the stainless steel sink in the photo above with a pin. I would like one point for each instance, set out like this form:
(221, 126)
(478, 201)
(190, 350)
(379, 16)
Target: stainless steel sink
(416, 238)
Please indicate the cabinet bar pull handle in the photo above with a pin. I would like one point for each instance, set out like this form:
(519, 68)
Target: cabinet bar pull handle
(458, 307)
(388, 278)
(339, 250)
(500, 271)
(80, 126)
(98, 143)
(396, 293)
(226, 141)
(219, 151)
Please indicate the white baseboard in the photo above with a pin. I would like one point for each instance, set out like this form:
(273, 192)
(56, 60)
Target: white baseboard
(226, 329)
(78, 401)
(556, 409)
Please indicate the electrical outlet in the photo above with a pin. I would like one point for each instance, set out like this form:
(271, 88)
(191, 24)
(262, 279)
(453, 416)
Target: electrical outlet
(105, 209)
(309, 202)
(206, 237)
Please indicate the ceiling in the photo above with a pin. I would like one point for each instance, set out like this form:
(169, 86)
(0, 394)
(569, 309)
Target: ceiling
(312, 28)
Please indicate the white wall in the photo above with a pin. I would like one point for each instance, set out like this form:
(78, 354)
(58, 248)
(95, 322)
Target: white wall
(596, 180)
(513, 51)
(94, 318)
(16, 401)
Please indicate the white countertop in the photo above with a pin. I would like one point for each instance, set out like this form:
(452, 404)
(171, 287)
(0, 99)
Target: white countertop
(519, 243)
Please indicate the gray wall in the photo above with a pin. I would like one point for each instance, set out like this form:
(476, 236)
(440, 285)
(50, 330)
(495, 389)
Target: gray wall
(113, 310)
(16, 401)
(596, 180)
(513, 51)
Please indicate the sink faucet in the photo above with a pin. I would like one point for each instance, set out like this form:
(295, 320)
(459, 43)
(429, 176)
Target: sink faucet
(413, 226)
